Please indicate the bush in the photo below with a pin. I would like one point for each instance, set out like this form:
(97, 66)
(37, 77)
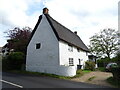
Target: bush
(113, 81)
(89, 65)
(116, 72)
(13, 61)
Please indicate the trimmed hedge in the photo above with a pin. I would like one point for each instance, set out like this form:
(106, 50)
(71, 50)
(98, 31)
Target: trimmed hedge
(13, 61)
(89, 65)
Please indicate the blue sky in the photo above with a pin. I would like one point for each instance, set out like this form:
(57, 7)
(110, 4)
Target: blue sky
(87, 17)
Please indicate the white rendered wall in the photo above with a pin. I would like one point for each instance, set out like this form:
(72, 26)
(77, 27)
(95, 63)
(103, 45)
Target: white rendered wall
(65, 54)
(47, 57)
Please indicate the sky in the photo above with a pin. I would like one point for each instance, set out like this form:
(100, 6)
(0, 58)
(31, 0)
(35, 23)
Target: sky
(87, 17)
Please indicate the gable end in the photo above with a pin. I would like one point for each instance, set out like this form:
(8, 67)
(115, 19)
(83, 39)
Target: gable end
(52, 27)
(35, 28)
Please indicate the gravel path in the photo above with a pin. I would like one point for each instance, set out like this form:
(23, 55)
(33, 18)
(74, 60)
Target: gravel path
(99, 78)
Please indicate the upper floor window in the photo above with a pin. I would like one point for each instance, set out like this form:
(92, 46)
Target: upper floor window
(78, 49)
(38, 45)
(70, 48)
(86, 54)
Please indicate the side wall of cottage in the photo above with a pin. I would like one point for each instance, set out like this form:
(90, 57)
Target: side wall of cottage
(79, 58)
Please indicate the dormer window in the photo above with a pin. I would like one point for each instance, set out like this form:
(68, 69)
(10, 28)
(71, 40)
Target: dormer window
(78, 49)
(38, 45)
(70, 48)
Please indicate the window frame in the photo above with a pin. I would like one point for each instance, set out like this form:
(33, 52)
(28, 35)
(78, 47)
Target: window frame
(71, 62)
(79, 60)
(70, 48)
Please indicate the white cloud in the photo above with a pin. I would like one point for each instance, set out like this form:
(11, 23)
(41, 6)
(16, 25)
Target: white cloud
(14, 13)
(85, 16)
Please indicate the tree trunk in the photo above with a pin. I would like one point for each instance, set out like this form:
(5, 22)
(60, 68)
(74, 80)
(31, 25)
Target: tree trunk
(108, 55)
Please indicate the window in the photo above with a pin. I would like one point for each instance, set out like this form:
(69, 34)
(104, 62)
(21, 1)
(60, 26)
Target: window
(38, 45)
(79, 61)
(78, 49)
(71, 63)
(86, 54)
(70, 48)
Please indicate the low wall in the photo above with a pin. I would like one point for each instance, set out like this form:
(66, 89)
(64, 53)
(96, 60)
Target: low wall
(58, 70)
(67, 70)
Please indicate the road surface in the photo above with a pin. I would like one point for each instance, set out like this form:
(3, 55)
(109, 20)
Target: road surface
(12, 80)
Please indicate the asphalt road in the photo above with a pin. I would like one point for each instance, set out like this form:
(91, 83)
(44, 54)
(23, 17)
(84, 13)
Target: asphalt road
(11, 80)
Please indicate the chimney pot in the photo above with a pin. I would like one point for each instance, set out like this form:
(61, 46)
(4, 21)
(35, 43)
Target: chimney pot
(75, 32)
(45, 10)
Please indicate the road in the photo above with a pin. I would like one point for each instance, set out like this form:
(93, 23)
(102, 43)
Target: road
(11, 80)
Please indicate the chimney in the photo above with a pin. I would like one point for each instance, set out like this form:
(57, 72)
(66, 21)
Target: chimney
(75, 32)
(45, 11)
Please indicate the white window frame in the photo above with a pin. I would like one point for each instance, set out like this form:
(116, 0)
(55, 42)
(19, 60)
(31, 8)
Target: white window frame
(71, 62)
(79, 60)
(70, 48)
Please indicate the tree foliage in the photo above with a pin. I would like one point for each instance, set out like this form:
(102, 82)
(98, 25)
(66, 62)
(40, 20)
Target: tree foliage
(18, 39)
(105, 43)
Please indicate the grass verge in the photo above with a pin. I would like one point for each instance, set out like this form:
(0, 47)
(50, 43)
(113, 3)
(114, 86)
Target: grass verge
(102, 69)
(79, 73)
(113, 82)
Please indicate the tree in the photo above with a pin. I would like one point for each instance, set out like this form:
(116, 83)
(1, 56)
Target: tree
(105, 43)
(18, 39)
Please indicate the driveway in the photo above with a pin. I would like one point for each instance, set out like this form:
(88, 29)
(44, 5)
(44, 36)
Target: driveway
(99, 78)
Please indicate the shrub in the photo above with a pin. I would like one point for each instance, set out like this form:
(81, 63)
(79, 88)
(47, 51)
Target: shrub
(5, 63)
(116, 72)
(13, 61)
(113, 81)
(89, 65)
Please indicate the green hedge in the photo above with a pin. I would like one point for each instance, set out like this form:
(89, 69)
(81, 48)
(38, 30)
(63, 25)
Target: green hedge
(14, 61)
(89, 65)
(103, 62)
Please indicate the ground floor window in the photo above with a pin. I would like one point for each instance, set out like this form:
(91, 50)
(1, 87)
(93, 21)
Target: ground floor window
(71, 63)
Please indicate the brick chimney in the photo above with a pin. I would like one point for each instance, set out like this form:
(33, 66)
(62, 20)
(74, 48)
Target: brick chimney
(45, 10)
